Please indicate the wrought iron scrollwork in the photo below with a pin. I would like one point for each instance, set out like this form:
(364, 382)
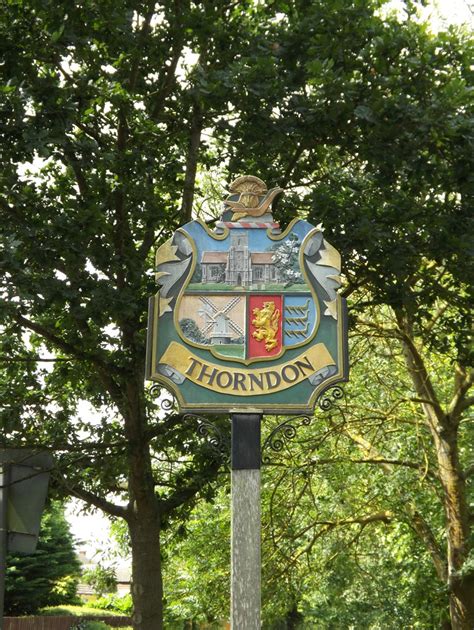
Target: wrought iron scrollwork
(330, 397)
(167, 404)
(287, 430)
(281, 434)
(155, 390)
(218, 441)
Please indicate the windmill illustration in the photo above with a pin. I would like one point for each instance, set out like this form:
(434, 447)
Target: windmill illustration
(219, 326)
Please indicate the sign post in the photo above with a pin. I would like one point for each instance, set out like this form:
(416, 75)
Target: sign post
(248, 321)
(4, 483)
(245, 527)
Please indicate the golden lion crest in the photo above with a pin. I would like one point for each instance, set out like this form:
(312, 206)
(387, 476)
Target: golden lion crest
(266, 324)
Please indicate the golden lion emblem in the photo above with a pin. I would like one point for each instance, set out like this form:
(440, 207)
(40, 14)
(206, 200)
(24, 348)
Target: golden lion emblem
(266, 324)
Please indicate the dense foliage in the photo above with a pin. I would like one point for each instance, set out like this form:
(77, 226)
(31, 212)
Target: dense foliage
(353, 525)
(119, 119)
(47, 577)
(101, 579)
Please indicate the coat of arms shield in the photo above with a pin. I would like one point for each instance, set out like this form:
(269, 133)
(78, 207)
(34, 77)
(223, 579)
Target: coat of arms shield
(247, 316)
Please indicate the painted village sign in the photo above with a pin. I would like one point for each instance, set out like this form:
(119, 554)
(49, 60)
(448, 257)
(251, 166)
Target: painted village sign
(247, 317)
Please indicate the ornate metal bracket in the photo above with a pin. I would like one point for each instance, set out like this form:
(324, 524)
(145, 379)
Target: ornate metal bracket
(287, 430)
(218, 441)
(168, 402)
(329, 397)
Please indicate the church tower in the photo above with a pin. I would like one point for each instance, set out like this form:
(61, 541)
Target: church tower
(239, 266)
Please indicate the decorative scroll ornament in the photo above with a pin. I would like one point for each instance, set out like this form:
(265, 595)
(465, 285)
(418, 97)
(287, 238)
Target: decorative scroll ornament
(287, 430)
(247, 316)
(168, 404)
(330, 397)
(217, 440)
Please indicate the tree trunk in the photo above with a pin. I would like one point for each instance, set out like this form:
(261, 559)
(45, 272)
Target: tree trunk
(461, 587)
(293, 618)
(444, 430)
(147, 585)
(144, 517)
(461, 603)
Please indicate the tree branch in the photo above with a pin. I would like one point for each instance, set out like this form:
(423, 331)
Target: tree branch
(327, 526)
(35, 359)
(145, 29)
(425, 534)
(167, 77)
(384, 516)
(292, 163)
(185, 493)
(191, 162)
(75, 164)
(103, 368)
(374, 460)
(58, 341)
(93, 499)
(459, 402)
(420, 377)
(167, 82)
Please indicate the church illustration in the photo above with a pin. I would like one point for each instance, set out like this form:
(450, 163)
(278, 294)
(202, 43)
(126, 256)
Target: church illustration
(238, 266)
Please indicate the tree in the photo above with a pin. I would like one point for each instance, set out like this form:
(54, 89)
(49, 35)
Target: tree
(49, 576)
(102, 579)
(286, 259)
(352, 512)
(395, 189)
(197, 574)
(362, 496)
(192, 331)
(93, 93)
(366, 118)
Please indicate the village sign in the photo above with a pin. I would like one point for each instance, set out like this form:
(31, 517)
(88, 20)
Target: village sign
(247, 316)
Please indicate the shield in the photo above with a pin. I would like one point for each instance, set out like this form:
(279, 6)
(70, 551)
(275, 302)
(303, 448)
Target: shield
(241, 299)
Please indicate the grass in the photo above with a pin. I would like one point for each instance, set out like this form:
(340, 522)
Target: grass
(281, 288)
(211, 286)
(78, 611)
(84, 611)
(269, 288)
(229, 349)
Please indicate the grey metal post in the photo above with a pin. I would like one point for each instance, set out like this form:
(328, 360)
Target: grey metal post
(245, 531)
(4, 482)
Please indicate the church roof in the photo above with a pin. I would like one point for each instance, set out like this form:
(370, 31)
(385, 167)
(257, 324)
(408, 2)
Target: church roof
(214, 257)
(262, 258)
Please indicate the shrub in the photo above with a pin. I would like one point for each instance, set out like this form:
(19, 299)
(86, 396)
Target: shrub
(50, 575)
(116, 603)
(102, 579)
